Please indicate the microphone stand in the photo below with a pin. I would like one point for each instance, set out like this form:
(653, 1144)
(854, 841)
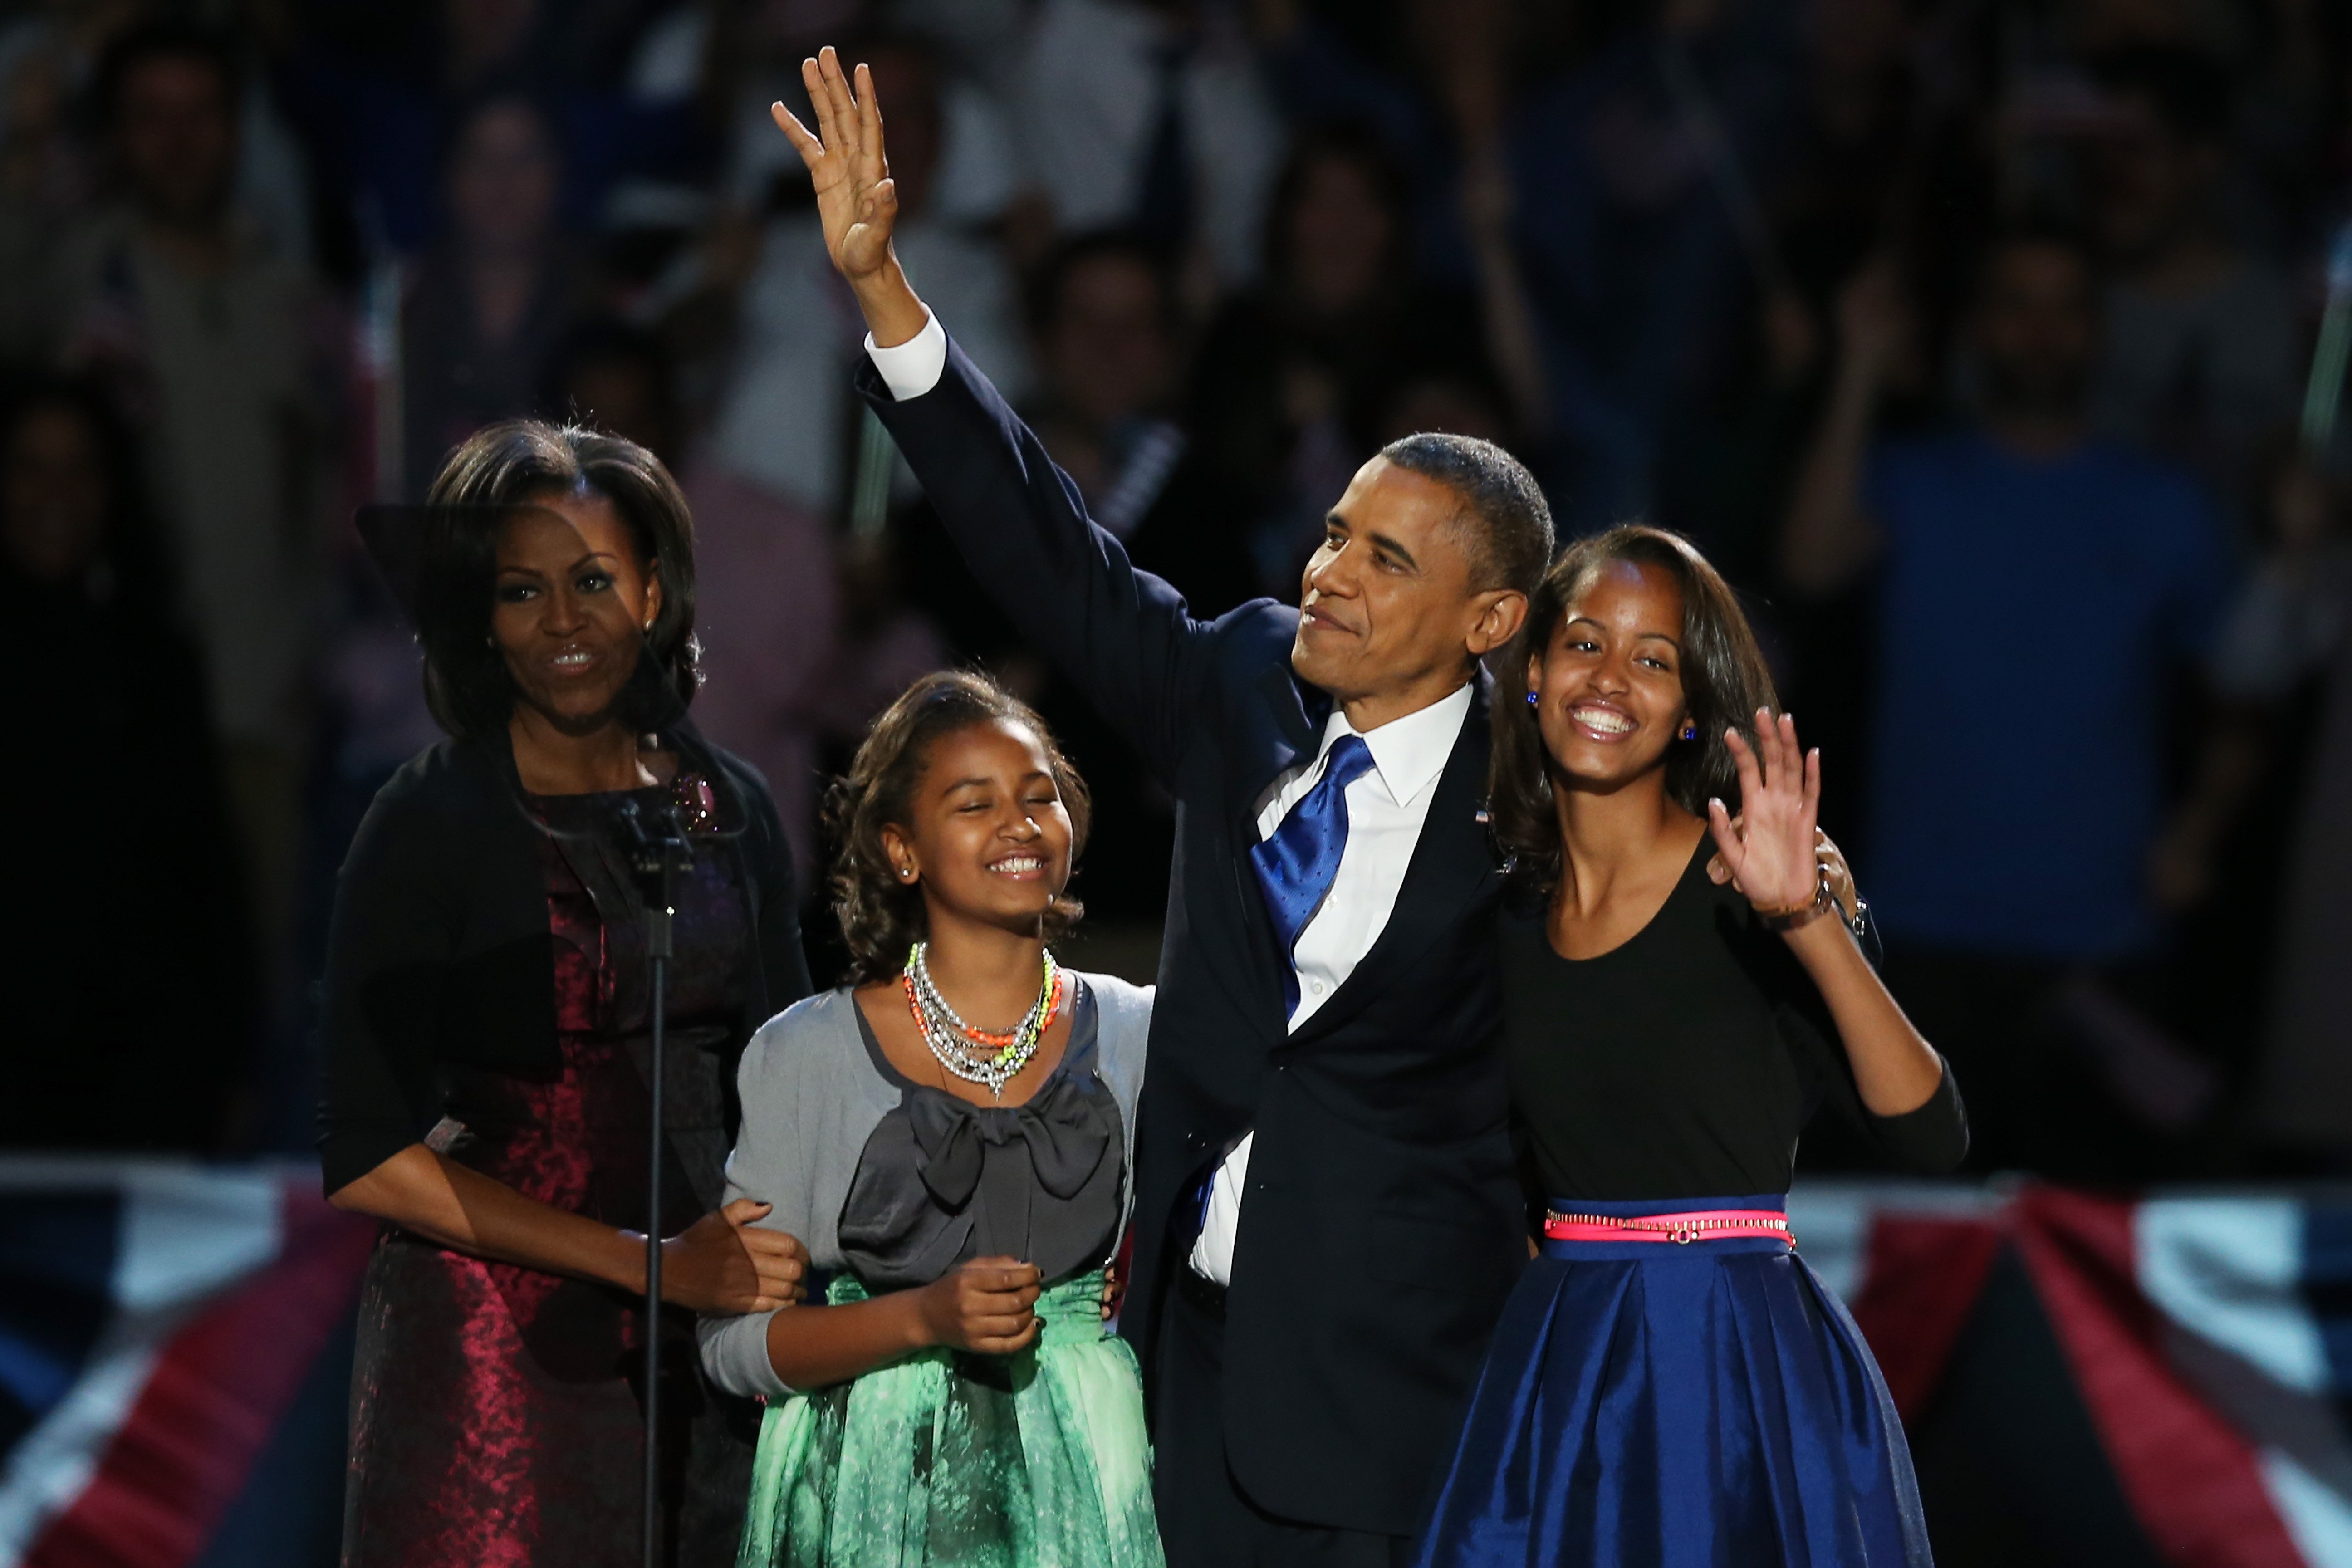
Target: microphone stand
(657, 849)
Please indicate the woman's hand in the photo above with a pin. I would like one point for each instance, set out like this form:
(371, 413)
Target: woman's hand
(855, 198)
(724, 1265)
(1830, 859)
(984, 1306)
(1770, 854)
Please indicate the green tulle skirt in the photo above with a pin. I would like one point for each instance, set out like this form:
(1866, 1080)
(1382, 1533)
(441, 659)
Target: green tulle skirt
(948, 1460)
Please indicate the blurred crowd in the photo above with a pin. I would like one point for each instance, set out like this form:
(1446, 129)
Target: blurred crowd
(1973, 338)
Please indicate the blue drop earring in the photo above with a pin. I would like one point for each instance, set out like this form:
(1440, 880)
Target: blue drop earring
(1690, 732)
(1531, 699)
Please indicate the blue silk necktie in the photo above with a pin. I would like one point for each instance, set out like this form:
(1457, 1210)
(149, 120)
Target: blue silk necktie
(1296, 862)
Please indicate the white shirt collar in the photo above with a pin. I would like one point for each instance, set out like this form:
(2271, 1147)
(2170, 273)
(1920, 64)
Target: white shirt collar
(1408, 752)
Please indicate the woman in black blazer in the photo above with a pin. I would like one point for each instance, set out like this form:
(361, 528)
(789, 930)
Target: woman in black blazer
(485, 1022)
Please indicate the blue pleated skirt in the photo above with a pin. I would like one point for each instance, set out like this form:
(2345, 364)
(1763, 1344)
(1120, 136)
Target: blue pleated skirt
(1646, 1404)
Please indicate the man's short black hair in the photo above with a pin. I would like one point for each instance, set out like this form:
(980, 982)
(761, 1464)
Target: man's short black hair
(1505, 520)
(165, 41)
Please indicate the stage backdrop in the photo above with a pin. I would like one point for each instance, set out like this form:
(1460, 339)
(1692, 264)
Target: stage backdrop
(175, 1359)
(2163, 1381)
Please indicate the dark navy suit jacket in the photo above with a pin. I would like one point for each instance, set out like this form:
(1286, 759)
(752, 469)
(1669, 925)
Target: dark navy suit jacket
(1383, 1224)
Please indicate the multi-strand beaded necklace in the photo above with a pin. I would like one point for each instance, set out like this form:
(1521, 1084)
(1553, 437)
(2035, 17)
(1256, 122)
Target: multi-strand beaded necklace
(984, 1057)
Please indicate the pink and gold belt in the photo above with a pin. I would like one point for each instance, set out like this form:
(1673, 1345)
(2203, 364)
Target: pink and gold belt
(1702, 1225)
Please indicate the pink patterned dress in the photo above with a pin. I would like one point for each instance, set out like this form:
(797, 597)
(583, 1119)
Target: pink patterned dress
(496, 1414)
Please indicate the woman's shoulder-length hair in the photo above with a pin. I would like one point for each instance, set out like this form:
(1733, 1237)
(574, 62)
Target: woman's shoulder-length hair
(1725, 681)
(508, 465)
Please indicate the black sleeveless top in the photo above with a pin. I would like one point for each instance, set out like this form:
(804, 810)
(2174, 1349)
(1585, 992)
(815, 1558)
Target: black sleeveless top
(1684, 1062)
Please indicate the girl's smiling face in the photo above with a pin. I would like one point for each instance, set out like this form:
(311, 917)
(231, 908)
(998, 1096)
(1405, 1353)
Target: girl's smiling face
(989, 836)
(1608, 686)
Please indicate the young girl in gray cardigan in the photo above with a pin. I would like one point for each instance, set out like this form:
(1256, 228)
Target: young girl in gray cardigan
(956, 1397)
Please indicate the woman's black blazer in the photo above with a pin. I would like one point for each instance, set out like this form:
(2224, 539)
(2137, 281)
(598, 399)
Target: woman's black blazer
(440, 951)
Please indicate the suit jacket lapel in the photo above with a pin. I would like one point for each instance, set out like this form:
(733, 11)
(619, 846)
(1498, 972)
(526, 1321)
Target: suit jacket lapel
(1296, 714)
(1451, 862)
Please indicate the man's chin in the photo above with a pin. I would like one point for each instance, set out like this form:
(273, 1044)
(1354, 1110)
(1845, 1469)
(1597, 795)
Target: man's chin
(1306, 666)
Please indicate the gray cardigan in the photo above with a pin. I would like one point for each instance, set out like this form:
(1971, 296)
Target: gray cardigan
(812, 1099)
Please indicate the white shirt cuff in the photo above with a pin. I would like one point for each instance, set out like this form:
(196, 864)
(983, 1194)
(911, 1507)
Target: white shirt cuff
(1212, 1251)
(915, 366)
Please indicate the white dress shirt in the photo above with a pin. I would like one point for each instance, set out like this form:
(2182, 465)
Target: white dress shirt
(1386, 804)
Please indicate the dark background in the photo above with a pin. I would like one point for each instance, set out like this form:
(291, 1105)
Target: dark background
(261, 262)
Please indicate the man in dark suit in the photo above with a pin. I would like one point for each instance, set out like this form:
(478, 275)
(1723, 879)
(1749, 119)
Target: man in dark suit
(1326, 1216)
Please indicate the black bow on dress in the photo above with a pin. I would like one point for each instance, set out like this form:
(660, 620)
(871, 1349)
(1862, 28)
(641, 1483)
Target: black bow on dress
(1065, 1141)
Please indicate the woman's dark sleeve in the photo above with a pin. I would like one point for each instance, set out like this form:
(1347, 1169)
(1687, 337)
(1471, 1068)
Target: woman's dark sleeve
(1932, 1139)
(1929, 1141)
(783, 963)
(388, 950)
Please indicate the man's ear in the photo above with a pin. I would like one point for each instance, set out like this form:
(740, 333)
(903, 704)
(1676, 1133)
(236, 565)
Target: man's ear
(1499, 615)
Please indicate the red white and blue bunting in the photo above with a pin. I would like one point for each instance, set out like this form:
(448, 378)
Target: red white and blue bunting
(156, 1320)
(2208, 1335)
